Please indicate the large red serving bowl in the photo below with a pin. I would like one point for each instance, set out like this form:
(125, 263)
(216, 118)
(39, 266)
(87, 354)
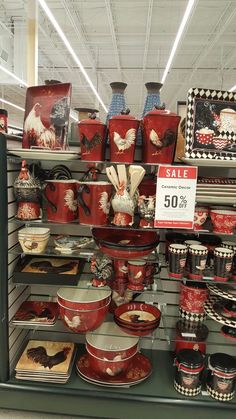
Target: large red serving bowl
(107, 368)
(125, 243)
(127, 313)
(110, 342)
(83, 299)
(83, 321)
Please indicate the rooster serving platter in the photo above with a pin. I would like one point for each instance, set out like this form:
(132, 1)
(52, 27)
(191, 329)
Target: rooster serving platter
(46, 119)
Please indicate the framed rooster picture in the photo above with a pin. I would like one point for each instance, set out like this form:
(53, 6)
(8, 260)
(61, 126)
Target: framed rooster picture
(47, 110)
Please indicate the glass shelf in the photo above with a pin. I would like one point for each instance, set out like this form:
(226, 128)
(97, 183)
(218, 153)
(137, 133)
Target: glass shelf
(207, 278)
(83, 253)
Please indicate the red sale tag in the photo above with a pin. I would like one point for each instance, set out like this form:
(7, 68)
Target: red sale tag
(175, 196)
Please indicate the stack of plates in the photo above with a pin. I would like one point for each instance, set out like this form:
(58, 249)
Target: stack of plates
(41, 313)
(138, 319)
(139, 369)
(217, 309)
(216, 191)
(46, 361)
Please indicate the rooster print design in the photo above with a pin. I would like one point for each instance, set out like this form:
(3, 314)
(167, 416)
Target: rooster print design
(124, 143)
(70, 200)
(27, 212)
(91, 144)
(104, 203)
(74, 322)
(165, 141)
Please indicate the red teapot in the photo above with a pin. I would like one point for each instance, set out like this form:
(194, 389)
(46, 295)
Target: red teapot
(160, 129)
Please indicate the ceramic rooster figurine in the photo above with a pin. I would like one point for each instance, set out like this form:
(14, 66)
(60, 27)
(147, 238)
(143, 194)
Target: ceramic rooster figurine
(101, 267)
(126, 197)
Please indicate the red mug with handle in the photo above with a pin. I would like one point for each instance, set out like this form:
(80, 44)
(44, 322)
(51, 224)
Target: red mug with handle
(94, 202)
(61, 200)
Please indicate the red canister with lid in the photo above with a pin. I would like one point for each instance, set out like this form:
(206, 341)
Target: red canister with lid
(160, 128)
(92, 134)
(122, 136)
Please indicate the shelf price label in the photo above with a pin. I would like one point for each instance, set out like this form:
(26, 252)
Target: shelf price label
(175, 196)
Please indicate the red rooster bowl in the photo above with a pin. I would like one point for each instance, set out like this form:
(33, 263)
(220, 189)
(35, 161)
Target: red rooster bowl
(125, 244)
(110, 343)
(83, 299)
(83, 321)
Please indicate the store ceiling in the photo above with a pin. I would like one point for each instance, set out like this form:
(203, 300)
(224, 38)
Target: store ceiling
(128, 40)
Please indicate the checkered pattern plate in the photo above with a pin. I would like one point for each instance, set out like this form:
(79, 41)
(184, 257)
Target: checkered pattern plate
(213, 309)
(223, 291)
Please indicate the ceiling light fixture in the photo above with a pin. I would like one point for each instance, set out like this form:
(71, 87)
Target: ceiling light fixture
(178, 37)
(12, 104)
(232, 88)
(9, 73)
(54, 22)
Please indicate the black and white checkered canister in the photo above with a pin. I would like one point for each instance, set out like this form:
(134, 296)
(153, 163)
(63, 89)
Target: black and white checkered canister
(193, 317)
(220, 396)
(190, 392)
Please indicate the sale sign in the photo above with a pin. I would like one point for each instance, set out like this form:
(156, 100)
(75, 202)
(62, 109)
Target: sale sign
(175, 196)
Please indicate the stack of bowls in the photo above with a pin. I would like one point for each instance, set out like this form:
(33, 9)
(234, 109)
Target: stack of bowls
(110, 350)
(83, 309)
(33, 239)
(138, 319)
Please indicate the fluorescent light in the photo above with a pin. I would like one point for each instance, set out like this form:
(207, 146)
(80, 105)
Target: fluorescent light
(51, 17)
(232, 88)
(178, 37)
(12, 104)
(9, 73)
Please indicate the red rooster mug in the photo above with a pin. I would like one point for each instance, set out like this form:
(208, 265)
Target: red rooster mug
(61, 198)
(94, 202)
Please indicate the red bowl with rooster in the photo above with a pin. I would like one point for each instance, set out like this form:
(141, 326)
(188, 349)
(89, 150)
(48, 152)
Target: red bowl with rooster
(83, 299)
(106, 368)
(223, 220)
(136, 314)
(83, 321)
(125, 244)
(111, 343)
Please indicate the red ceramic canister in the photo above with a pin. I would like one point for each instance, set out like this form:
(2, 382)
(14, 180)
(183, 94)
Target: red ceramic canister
(94, 202)
(92, 133)
(61, 197)
(122, 136)
(160, 128)
(192, 300)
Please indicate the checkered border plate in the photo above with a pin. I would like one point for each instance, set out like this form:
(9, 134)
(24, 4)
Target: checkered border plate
(190, 392)
(218, 291)
(192, 317)
(198, 153)
(220, 396)
(209, 310)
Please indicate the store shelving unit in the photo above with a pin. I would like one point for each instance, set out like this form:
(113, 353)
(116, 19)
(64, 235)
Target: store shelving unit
(154, 398)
